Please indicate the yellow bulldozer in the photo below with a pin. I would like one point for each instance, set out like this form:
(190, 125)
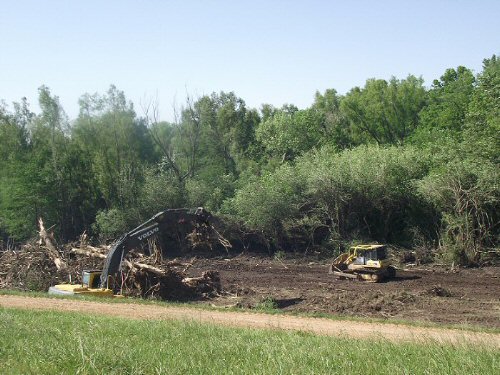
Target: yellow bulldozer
(364, 262)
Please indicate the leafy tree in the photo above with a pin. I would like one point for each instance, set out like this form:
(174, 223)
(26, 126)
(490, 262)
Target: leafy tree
(448, 100)
(442, 119)
(43, 174)
(116, 142)
(14, 146)
(367, 192)
(288, 134)
(267, 111)
(226, 133)
(14, 134)
(335, 124)
(482, 123)
(59, 172)
(205, 148)
(34, 181)
(385, 112)
(163, 134)
(14, 129)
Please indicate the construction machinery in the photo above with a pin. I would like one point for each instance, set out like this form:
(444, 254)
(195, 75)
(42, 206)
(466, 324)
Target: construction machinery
(364, 262)
(101, 282)
(91, 285)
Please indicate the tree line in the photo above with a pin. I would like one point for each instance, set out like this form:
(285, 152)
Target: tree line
(392, 161)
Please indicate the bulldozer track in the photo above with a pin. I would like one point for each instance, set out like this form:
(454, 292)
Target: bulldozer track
(319, 326)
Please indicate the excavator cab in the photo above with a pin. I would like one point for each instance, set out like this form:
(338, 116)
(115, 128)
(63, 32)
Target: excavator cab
(91, 278)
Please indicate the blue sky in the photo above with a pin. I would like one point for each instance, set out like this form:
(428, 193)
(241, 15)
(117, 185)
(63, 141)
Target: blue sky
(265, 51)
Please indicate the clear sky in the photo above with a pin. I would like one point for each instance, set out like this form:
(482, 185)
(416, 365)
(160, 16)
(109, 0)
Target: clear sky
(265, 51)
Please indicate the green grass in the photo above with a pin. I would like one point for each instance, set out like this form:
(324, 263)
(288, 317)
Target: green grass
(35, 342)
(266, 306)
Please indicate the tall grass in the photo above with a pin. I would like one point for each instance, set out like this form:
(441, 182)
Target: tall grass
(48, 343)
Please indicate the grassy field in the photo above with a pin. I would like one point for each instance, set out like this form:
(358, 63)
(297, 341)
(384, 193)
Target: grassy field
(34, 342)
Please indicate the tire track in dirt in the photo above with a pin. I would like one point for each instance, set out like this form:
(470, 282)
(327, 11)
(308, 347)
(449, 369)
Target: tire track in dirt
(319, 326)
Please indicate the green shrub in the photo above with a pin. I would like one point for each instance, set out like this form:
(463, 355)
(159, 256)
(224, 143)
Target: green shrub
(467, 193)
(266, 203)
(110, 223)
(159, 192)
(369, 190)
(209, 193)
(267, 304)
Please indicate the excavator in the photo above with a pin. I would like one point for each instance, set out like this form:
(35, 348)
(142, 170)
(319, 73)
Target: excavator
(100, 283)
(363, 262)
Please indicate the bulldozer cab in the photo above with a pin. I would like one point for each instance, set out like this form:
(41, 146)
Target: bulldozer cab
(366, 254)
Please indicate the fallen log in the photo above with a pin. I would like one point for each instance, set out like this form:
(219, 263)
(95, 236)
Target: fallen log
(101, 249)
(145, 267)
(89, 253)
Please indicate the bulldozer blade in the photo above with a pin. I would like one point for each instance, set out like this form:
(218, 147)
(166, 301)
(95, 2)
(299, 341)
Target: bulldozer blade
(367, 277)
(345, 274)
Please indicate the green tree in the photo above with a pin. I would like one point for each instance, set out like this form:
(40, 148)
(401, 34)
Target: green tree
(267, 203)
(228, 128)
(35, 180)
(442, 119)
(14, 145)
(384, 112)
(14, 134)
(60, 174)
(448, 100)
(117, 143)
(335, 124)
(288, 134)
(207, 145)
(43, 174)
(482, 123)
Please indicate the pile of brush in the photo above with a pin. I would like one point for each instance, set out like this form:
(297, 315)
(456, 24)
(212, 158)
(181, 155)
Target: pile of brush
(38, 265)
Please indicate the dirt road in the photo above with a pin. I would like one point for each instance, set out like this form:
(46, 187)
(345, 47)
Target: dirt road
(344, 328)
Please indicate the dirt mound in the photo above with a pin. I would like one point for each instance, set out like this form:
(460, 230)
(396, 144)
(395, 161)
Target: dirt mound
(438, 291)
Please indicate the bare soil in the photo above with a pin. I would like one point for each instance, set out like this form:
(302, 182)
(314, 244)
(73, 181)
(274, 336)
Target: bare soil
(432, 294)
(468, 297)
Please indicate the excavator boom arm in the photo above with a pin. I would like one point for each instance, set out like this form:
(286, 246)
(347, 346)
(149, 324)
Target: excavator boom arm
(167, 218)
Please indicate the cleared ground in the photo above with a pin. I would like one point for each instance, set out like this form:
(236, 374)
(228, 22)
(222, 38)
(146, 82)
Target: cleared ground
(464, 296)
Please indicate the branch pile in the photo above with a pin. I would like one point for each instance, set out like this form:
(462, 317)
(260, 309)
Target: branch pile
(38, 265)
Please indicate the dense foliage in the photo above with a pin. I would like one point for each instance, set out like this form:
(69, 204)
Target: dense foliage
(392, 161)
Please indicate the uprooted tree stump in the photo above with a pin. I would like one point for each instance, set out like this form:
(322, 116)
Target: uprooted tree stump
(47, 240)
